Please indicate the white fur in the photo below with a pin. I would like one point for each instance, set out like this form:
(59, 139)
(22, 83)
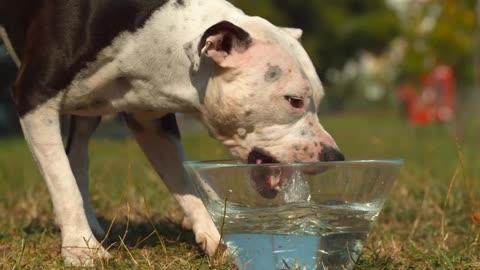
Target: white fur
(42, 133)
(157, 79)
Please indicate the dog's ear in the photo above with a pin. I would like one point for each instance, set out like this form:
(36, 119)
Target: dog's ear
(220, 43)
(296, 33)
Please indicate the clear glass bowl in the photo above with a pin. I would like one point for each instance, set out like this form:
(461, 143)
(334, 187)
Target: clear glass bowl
(311, 215)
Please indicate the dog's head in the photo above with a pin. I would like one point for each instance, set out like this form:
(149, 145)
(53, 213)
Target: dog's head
(263, 93)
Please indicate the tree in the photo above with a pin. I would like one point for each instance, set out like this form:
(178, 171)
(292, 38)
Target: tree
(440, 32)
(334, 31)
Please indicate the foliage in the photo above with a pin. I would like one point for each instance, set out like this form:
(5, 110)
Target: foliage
(334, 31)
(440, 32)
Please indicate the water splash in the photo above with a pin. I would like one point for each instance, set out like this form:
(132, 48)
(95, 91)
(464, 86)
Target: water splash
(296, 189)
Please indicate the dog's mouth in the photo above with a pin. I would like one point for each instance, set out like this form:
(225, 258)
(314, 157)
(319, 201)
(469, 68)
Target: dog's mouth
(258, 156)
(267, 180)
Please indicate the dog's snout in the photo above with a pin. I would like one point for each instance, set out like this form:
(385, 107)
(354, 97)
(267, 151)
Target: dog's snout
(331, 154)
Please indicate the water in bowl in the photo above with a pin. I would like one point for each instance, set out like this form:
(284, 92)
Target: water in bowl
(298, 235)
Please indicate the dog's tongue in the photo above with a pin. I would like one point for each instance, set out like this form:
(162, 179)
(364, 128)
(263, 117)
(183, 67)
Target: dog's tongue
(268, 181)
(257, 157)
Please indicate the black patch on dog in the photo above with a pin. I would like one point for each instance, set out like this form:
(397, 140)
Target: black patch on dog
(236, 37)
(133, 124)
(179, 3)
(71, 132)
(15, 18)
(57, 39)
(99, 103)
(74, 128)
(96, 104)
(273, 74)
(168, 124)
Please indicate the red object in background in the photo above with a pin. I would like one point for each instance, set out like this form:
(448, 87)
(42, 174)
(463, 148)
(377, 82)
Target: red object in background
(476, 216)
(435, 102)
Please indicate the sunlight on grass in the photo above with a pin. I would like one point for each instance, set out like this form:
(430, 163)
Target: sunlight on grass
(427, 223)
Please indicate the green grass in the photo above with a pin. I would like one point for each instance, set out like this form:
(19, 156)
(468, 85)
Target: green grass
(421, 226)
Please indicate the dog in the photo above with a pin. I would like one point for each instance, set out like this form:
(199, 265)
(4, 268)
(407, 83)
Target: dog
(250, 82)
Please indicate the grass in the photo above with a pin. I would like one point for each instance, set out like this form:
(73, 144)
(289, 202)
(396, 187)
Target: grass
(427, 223)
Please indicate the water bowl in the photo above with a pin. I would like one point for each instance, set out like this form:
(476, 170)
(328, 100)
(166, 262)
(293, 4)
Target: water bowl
(294, 216)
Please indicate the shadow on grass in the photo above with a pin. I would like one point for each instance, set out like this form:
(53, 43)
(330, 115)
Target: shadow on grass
(143, 234)
(40, 226)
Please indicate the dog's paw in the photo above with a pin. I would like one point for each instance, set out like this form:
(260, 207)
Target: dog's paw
(208, 243)
(207, 237)
(83, 253)
(187, 223)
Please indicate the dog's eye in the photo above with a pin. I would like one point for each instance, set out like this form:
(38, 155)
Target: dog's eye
(295, 102)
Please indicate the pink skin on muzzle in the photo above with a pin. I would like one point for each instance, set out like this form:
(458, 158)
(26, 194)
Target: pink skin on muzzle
(311, 145)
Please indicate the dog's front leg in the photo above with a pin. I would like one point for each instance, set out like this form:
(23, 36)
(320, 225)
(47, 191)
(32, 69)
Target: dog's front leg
(41, 128)
(160, 141)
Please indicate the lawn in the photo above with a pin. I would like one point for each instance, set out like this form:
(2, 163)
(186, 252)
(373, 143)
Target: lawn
(427, 222)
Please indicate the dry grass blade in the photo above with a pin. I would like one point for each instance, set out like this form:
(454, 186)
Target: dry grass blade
(419, 216)
(128, 250)
(155, 231)
(287, 267)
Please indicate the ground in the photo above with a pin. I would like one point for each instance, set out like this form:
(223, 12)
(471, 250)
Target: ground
(427, 223)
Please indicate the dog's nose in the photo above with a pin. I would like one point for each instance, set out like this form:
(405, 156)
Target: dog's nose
(331, 154)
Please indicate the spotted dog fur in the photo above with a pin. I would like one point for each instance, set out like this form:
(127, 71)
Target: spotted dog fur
(251, 83)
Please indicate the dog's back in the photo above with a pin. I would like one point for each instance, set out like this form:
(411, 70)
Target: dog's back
(97, 20)
(15, 18)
